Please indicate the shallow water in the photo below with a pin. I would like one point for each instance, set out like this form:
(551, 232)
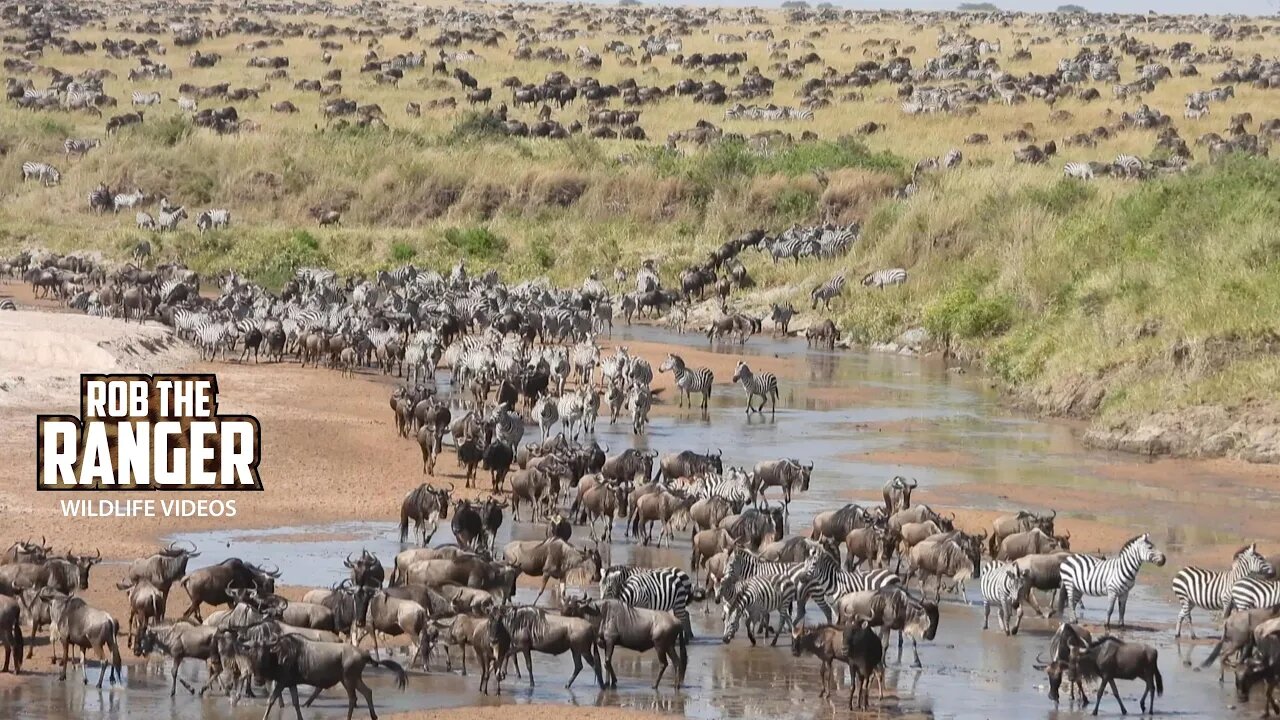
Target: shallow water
(967, 673)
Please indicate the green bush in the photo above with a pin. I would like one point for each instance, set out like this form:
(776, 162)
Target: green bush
(543, 256)
(168, 131)
(1062, 197)
(794, 205)
(476, 242)
(402, 252)
(964, 313)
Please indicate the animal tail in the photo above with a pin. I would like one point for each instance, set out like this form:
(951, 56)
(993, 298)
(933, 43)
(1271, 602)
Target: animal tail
(693, 553)
(635, 521)
(1213, 654)
(115, 650)
(16, 634)
(1159, 682)
(393, 666)
(404, 524)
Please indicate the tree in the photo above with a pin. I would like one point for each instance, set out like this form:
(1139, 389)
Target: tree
(1071, 9)
(796, 5)
(629, 3)
(978, 7)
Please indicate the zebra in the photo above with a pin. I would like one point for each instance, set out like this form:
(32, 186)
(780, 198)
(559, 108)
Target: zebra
(755, 599)
(689, 380)
(827, 291)
(128, 200)
(47, 174)
(884, 278)
(145, 221)
(1196, 587)
(168, 219)
(590, 398)
(733, 486)
(1088, 575)
(764, 384)
(667, 588)
(953, 158)
(101, 199)
(1251, 592)
(1078, 170)
(569, 407)
(219, 218)
(145, 98)
(211, 337)
(826, 582)
(74, 146)
(640, 373)
(641, 400)
(7, 304)
(186, 104)
(547, 413)
(1004, 585)
(508, 426)
(745, 565)
(1129, 165)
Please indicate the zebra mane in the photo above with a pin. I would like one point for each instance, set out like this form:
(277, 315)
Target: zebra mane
(1132, 541)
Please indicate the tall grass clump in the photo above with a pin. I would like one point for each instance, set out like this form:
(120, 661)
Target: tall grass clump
(478, 243)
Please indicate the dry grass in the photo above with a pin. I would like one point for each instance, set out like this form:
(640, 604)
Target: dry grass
(1040, 278)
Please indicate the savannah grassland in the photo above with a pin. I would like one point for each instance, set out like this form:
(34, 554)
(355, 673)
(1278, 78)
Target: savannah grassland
(1109, 300)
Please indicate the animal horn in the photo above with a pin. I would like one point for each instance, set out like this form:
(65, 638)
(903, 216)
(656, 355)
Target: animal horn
(348, 562)
(915, 483)
(1054, 515)
(450, 487)
(98, 554)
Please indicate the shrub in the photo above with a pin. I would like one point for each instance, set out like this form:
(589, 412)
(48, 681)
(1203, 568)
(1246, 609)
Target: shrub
(402, 252)
(1062, 197)
(476, 242)
(543, 256)
(168, 131)
(964, 313)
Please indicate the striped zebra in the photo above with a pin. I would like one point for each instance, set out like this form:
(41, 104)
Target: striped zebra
(647, 280)
(1251, 592)
(7, 304)
(569, 407)
(47, 174)
(546, 412)
(145, 221)
(210, 337)
(1088, 575)
(689, 380)
(209, 219)
(168, 219)
(827, 291)
(1004, 585)
(74, 146)
(755, 600)
(128, 200)
(101, 199)
(667, 588)
(508, 426)
(953, 158)
(640, 373)
(800, 113)
(590, 408)
(885, 278)
(186, 104)
(827, 582)
(641, 400)
(745, 565)
(1078, 170)
(763, 384)
(145, 99)
(1129, 165)
(1196, 587)
(733, 487)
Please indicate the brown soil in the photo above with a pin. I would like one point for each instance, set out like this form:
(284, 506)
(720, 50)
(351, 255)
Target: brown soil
(528, 712)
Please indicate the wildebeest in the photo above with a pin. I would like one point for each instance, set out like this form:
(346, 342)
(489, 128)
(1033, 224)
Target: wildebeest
(666, 506)
(533, 628)
(25, 551)
(638, 629)
(1110, 659)
(897, 494)
(162, 569)
(952, 556)
(1237, 635)
(688, 463)
(288, 661)
(785, 473)
(835, 525)
(1059, 664)
(1007, 525)
(1264, 667)
(469, 570)
(425, 505)
(179, 640)
(86, 628)
(366, 570)
(209, 585)
(553, 558)
(11, 633)
(1032, 542)
(892, 608)
(146, 605)
(755, 527)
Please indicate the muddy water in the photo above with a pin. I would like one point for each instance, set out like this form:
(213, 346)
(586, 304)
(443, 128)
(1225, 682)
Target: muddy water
(860, 418)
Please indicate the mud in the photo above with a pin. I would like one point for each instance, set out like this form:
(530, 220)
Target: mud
(335, 473)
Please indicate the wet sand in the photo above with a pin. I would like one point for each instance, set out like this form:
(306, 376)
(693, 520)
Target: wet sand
(331, 455)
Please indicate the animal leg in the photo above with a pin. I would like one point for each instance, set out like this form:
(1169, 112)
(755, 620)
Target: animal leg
(293, 693)
(1124, 601)
(368, 700)
(316, 693)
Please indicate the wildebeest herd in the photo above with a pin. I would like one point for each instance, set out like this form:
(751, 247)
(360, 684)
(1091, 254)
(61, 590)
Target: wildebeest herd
(530, 354)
